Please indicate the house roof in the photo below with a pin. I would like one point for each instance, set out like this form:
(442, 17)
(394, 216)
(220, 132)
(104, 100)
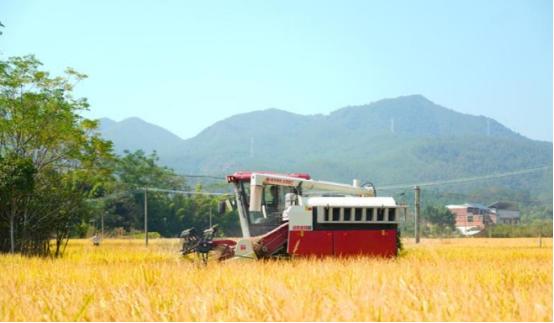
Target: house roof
(504, 206)
(466, 205)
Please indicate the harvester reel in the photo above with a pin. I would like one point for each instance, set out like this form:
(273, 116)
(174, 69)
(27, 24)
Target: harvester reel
(202, 244)
(191, 240)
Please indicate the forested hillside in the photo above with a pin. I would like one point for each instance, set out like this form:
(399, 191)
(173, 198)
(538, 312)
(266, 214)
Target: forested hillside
(393, 141)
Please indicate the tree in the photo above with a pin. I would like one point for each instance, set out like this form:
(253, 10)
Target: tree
(134, 172)
(168, 213)
(137, 170)
(40, 126)
(440, 219)
(16, 183)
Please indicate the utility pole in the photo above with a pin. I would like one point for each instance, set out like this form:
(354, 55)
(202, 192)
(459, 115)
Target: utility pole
(417, 214)
(210, 215)
(145, 217)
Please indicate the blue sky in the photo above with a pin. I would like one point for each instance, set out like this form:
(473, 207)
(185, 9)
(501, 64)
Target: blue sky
(185, 65)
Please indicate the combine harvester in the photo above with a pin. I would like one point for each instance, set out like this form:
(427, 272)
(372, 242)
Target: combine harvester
(293, 215)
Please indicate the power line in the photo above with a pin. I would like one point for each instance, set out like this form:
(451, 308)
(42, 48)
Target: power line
(387, 188)
(466, 179)
(155, 189)
(202, 176)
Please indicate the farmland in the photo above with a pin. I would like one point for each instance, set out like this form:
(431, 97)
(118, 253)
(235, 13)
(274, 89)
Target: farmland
(437, 280)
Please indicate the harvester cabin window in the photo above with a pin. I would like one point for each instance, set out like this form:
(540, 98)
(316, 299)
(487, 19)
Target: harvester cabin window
(274, 198)
(271, 197)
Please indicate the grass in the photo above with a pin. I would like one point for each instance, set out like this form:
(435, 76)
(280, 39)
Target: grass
(437, 280)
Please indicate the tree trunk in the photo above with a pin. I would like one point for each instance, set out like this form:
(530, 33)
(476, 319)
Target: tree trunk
(12, 227)
(12, 234)
(58, 244)
(24, 238)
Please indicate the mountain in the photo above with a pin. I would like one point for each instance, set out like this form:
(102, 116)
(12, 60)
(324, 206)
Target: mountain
(392, 141)
(133, 134)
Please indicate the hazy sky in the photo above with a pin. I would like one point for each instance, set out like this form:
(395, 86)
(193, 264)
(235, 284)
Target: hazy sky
(185, 65)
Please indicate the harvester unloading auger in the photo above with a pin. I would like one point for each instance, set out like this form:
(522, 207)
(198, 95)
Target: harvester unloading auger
(293, 215)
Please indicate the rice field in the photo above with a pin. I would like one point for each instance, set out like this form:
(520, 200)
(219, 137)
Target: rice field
(437, 280)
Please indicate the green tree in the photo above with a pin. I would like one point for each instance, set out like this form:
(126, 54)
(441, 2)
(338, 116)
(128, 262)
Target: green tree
(16, 183)
(40, 125)
(134, 172)
(168, 213)
(439, 219)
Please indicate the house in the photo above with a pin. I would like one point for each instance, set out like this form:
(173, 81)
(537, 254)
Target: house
(471, 218)
(505, 213)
